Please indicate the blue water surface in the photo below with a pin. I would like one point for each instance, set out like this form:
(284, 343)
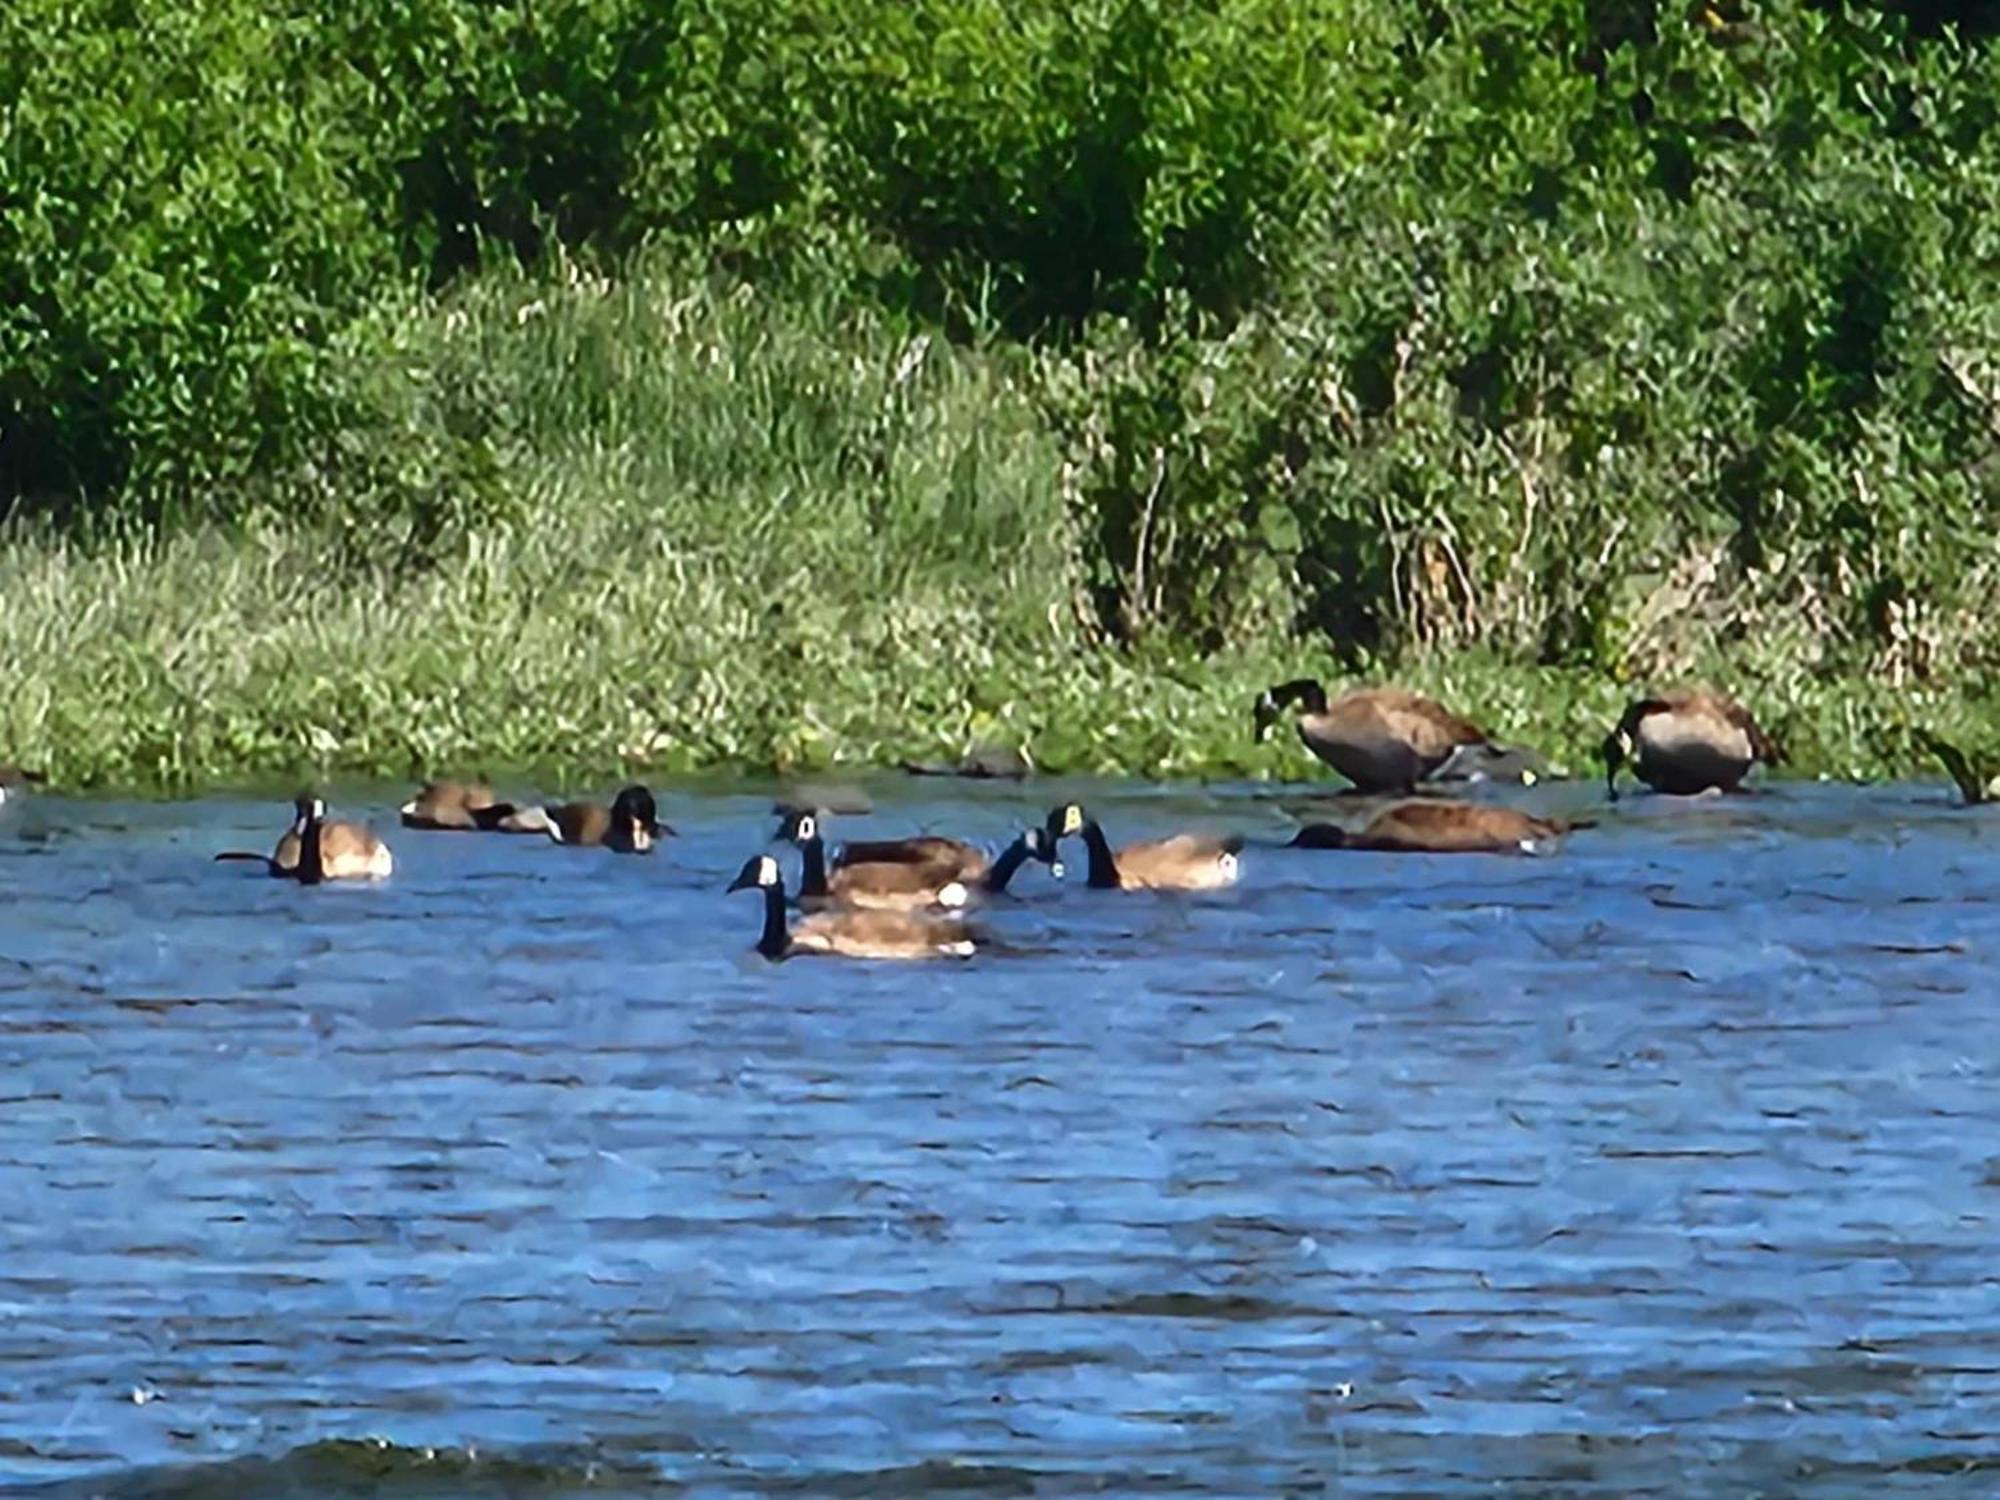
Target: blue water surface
(1665, 1165)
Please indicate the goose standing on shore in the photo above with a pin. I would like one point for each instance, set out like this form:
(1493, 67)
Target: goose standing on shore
(1688, 742)
(1381, 739)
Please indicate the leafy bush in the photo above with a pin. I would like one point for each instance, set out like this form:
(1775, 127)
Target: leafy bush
(182, 243)
(1595, 335)
(1618, 349)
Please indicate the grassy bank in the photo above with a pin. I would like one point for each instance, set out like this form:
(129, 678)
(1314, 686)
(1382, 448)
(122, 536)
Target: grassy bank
(740, 528)
(591, 383)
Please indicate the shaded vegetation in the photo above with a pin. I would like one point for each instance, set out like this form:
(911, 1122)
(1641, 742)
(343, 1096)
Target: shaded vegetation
(732, 382)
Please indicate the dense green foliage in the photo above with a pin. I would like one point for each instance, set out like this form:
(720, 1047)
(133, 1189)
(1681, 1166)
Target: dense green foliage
(777, 376)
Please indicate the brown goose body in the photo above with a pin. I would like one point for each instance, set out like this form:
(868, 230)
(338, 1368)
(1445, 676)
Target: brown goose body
(1688, 742)
(954, 859)
(1381, 739)
(891, 887)
(1183, 862)
(346, 851)
(848, 933)
(1433, 827)
(459, 807)
(877, 885)
(880, 934)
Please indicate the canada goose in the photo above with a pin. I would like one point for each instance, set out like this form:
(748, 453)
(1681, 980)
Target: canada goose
(1185, 862)
(628, 826)
(460, 806)
(1687, 742)
(1381, 739)
(1976, 783)
(884, 885)
(848, 933)
(1434, 827)
(13, 778)
(312, 849)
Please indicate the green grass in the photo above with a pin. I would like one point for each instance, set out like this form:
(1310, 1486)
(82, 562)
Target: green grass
(728, 527)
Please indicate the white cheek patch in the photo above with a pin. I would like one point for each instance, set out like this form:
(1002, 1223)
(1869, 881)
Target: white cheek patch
(1228, 865)
(767, 870)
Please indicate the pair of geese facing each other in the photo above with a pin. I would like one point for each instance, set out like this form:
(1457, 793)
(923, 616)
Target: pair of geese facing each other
(880, 898)
(353, 851)
(904, 874)
(1388, 740)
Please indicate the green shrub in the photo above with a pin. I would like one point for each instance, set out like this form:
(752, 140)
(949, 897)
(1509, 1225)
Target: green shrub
(181, 245)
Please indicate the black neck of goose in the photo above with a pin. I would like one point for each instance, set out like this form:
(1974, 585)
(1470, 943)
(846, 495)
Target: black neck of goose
(1011, 859)
(1304, 695)
(312, 856)
(812, 875)
(1103, 869)
(776, 937)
